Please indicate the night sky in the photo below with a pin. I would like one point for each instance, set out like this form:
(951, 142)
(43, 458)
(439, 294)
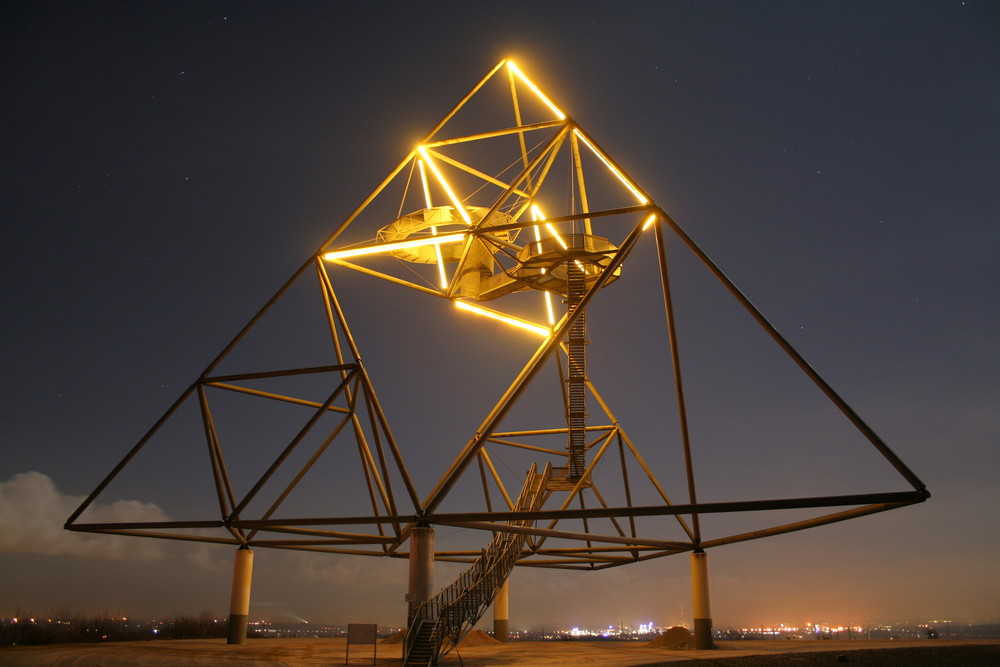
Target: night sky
(167, 166)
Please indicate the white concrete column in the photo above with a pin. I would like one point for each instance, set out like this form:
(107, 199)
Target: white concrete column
(501, 614)
(421, 584)
(239, 602)
(702, 601)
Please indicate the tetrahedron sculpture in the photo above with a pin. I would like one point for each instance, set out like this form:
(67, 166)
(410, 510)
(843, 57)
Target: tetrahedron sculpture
(508, 211)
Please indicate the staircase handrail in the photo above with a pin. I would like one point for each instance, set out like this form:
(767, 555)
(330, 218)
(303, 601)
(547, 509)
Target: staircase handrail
(457, 607)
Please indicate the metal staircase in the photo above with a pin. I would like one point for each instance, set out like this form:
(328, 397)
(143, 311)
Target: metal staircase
(441, 622)
(576, 343)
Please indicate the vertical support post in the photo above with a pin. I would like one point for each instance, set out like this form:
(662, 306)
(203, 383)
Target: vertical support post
(421, 569)
(501, 615)
(239, 602)
(702, 602)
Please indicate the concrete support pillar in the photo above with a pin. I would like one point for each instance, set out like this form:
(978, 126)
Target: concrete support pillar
(702, 601)
(239, 602)
(501, 630)
(421, 585)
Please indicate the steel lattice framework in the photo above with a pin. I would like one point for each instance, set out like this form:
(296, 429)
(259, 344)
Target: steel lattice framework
(478, 213)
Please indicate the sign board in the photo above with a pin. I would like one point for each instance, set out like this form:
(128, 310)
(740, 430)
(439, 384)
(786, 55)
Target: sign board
(362, 633)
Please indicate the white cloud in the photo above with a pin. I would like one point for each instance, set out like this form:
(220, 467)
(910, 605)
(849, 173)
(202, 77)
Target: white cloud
(33, 511)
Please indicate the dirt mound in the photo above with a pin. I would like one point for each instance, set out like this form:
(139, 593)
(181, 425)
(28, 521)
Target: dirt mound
(477, 638)
(394, 638)
(675, 638)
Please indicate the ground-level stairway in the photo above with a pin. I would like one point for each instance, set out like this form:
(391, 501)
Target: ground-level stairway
(441, 622)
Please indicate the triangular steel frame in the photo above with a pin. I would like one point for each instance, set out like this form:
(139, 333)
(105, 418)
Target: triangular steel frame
(469, 254)
(347, 409)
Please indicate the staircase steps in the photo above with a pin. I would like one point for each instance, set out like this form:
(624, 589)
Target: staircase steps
(576, 345)
(440, 623)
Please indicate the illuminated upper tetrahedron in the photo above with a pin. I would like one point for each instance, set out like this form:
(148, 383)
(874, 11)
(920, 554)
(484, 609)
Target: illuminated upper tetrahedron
(499, 198)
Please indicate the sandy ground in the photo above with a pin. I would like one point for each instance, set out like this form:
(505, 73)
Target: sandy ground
(296, 652)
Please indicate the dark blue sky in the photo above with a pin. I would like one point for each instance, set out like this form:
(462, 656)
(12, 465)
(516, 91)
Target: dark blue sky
(167, 167)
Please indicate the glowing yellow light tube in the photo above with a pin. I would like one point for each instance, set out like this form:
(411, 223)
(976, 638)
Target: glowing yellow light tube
(548, 308)
(500, 317)
(398, 245)
(559, 114)
(444, 184)
(536, 215)
(437, 249)
(548, 225)
(423, 179)
(621, 177)
(649, 221)
(442, 277)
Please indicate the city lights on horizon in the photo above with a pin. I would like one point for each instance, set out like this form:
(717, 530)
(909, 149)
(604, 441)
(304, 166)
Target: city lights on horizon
(123, 628)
